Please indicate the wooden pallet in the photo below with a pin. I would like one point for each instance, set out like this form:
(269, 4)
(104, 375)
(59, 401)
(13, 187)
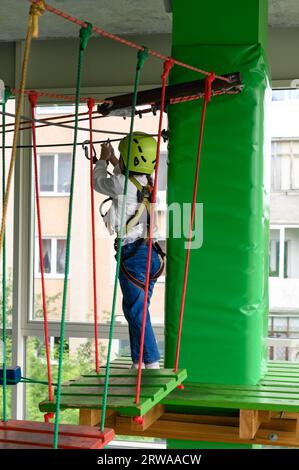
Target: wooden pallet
(86, 392)
(36, 435)
(262, 428)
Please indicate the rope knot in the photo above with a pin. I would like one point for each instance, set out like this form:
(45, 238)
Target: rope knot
(208, 88)
(167, 66)
(36, 10)
(33, 97)
(85, 33)
(90, 104)
(142, 56)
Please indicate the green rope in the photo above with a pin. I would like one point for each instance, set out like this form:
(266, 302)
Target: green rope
(141, 58)
(4, 289)
(29, 381)
(85, 34)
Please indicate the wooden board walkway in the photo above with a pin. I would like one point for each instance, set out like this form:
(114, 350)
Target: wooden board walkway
(86, 392)
(37, 435)
(277, 391)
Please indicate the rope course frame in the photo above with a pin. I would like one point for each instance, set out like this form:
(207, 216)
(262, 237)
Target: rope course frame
(37, 8)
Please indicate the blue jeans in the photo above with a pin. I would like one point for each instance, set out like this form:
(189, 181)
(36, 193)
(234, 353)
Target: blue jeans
(131, 277)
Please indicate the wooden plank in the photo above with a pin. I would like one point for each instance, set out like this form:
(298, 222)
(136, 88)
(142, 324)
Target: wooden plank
(192, 397)
(148, 419)
(121, 400)
(93, 417)
(118, 381)
(98, 391)
(29, 433)
(250, 421)
(283, 364)
(167, 373)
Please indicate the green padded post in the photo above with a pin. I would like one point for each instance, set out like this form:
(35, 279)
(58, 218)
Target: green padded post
(225, 322)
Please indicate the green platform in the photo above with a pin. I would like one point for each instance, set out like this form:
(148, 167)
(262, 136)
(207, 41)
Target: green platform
(277, 391)
(86, 392)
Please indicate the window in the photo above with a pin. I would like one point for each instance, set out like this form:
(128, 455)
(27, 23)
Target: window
(55, 173)
(285, 165)
(275, 256)
(53, 256)
(285, 95)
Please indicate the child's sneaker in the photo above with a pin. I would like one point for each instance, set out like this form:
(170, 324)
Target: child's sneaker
(136, 366)
(153, 365)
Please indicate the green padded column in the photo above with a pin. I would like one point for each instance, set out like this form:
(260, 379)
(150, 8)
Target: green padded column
(225, 323)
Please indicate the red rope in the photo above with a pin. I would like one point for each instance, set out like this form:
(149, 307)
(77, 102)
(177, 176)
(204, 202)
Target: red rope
(199, 96)
(207, 99)
(33, 97)
(125, 42)
(90, 104)
(166, 69)
(47, 94)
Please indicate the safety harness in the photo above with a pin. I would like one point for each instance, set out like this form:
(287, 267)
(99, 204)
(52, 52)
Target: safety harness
(142, 213)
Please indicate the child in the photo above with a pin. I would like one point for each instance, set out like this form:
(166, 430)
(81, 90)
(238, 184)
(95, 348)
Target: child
(136, 225)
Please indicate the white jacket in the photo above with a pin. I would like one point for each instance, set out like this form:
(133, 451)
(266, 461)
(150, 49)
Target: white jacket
(114, 187)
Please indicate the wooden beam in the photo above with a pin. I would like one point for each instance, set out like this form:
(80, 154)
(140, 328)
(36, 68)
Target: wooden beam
(250, 421)
(93, 417)
(148, 419)
(153, 97)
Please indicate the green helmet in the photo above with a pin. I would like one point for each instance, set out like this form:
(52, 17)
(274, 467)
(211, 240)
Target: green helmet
(143, 153)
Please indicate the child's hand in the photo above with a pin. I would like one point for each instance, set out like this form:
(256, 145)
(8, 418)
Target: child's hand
(105, 152)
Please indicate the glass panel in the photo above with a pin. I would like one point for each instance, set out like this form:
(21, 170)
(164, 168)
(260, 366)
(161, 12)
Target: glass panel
(46, 173)
(60, 262)
(274, 253)
(280, 324)
(292, 256)
(64, 172)
(47, 250)
(9, 363)
(10, 108)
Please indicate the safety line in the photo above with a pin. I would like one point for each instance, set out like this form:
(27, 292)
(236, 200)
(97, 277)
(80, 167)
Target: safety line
(33, 97)
(207, 99)
(91, 104)
(84, 36)
(166, 69)
(4, 286)
(56, 124)
(141, 58)
(125, 42)
(47, 94)
(31, 32)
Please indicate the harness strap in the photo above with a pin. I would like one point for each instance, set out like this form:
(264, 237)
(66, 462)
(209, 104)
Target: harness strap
(136, 281)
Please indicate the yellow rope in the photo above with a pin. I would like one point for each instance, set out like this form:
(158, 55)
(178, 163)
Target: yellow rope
(35, 11)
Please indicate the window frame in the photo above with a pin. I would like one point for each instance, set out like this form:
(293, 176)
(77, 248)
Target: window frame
(282, 243)
(52, 274)
(55, 192)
